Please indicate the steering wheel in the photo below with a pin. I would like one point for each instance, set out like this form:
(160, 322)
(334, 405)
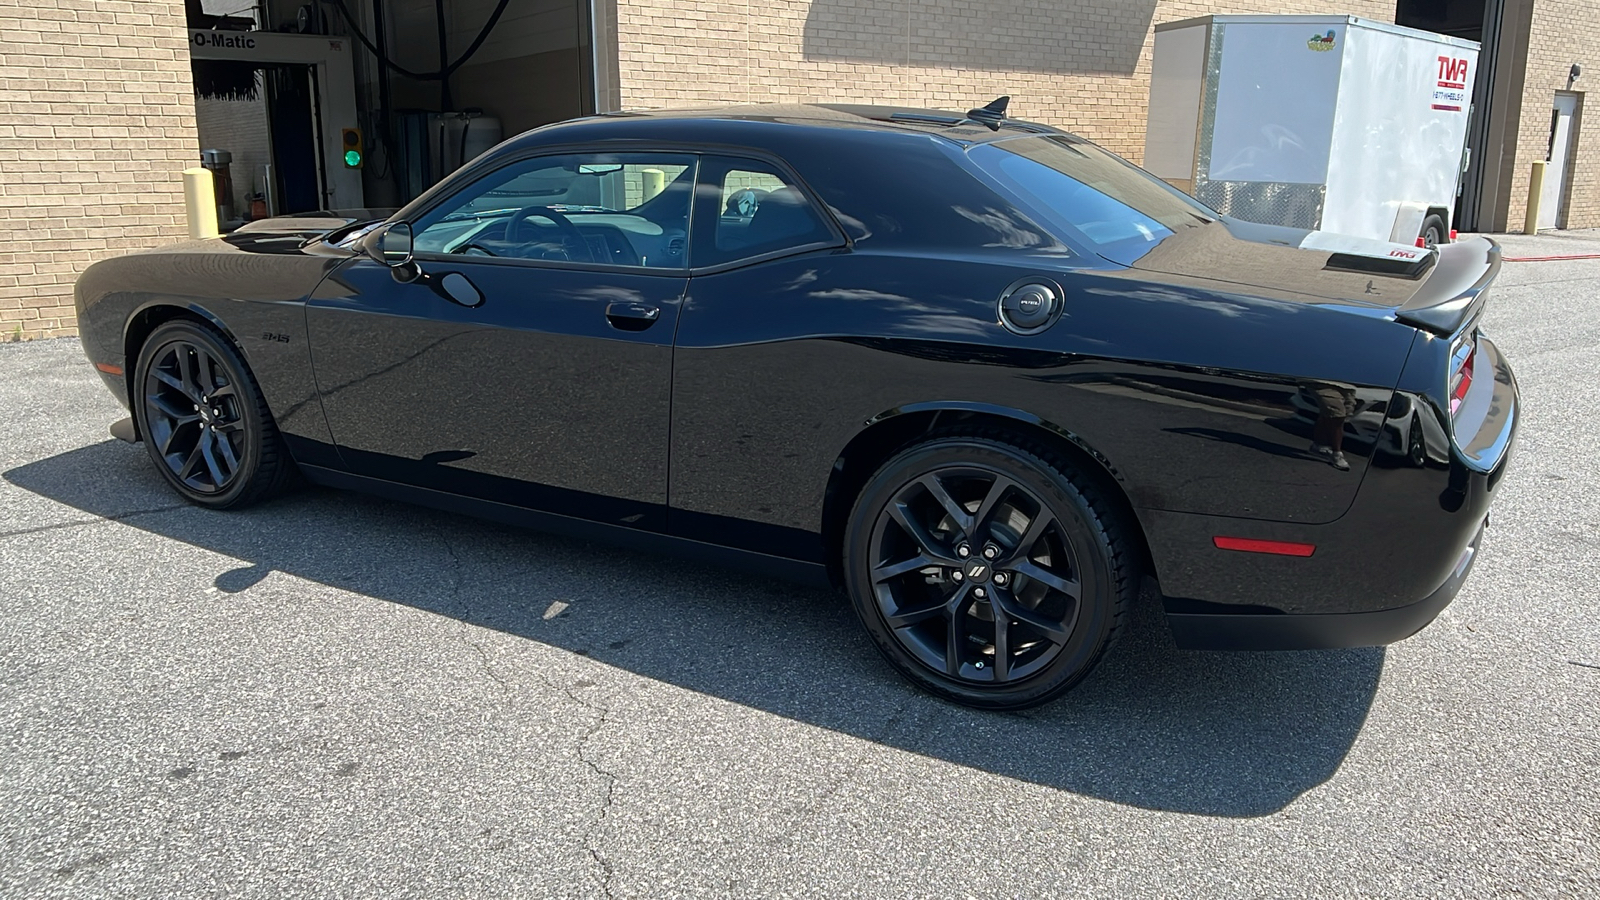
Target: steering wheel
(514, 228)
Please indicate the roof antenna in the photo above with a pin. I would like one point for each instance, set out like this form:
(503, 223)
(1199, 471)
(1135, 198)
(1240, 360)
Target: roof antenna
(991, 115)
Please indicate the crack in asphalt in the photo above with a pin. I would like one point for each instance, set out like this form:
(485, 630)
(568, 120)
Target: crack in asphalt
(870, 742)
(603, 718)
(458, 601)
(457, 580)
(488, 669)
(607, 873)
(77, 523)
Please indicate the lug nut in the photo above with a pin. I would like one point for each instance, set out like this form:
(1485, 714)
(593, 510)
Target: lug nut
(1000, 579)
(991, 551)
(978, 592)
(963, 551)
(956, 575)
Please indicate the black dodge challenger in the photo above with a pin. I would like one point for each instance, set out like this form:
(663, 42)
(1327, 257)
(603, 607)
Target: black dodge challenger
(982, 374)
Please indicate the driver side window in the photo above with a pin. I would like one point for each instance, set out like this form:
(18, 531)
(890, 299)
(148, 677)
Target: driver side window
(617, 209)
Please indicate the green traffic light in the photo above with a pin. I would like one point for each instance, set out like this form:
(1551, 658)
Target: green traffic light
(352, 158)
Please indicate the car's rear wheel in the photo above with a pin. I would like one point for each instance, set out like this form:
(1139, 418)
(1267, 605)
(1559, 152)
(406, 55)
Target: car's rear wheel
(203, 419)
(986, 571)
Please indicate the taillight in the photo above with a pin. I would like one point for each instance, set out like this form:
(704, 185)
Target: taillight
(1461, 373)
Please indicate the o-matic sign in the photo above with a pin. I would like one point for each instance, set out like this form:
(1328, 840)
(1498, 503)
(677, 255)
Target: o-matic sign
(223, 40)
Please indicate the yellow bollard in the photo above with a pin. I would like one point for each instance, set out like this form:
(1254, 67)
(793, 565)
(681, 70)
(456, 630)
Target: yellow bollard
(200, 202)
(1530, 224)
(655, 181)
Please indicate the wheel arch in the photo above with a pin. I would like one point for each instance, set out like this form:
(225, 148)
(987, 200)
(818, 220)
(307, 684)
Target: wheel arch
(892, 430)
(143, 322)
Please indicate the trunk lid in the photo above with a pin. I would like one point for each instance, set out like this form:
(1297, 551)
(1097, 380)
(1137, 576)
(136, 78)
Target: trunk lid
(1439, 290)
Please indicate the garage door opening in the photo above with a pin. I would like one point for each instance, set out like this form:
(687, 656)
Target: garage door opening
(399, 94)
(441, 81)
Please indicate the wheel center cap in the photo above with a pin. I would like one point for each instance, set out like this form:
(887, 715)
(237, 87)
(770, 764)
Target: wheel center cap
(977, 570)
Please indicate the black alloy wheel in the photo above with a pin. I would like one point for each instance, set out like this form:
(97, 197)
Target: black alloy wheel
(985, 573)
(203, 421)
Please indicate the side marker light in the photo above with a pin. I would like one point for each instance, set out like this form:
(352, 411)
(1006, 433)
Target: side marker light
(1250, 545)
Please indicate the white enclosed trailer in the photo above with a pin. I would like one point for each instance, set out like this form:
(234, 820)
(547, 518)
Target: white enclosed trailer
(1329, 123)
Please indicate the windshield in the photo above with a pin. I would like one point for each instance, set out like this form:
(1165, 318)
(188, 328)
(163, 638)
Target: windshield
(1116, 208)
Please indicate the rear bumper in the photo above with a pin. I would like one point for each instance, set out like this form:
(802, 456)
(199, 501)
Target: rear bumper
(1320, 631)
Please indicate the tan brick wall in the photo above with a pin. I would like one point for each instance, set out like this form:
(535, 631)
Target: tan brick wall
(96, 123)
(1562, 32)
(1079, 64)
(240, 127)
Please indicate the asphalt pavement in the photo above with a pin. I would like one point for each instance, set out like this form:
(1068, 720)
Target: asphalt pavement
(337, 696)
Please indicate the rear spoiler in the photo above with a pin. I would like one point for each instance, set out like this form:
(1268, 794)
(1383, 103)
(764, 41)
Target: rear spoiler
(1454, 293)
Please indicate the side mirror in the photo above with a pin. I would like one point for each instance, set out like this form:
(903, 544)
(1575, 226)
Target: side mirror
(394, 245)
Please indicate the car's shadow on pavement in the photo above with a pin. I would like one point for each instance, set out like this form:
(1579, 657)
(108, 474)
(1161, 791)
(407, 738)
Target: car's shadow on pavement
(1240, 734)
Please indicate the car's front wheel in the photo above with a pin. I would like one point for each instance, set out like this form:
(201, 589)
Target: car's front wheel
(987, 571)
(203, 418)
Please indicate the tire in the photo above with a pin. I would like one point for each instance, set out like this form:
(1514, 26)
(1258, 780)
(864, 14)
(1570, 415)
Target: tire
(203, 419)
(1433, 232)
(1032, 533)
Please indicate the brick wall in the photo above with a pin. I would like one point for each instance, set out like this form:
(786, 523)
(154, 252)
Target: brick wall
(1080, 64)
(240, 127)
(96, 123)
(1562, 32)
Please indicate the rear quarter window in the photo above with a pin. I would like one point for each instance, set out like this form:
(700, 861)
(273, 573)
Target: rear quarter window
(1111, 205)
(915, 192)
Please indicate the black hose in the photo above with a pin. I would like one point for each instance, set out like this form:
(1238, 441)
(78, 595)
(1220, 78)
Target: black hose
(483, 35)
(385, 120)
(444, 58)
(383, 58)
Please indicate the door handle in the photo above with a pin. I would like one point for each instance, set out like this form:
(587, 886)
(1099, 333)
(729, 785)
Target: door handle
(631, 315)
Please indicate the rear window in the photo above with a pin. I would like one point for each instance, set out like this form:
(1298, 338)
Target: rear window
(1113, 206)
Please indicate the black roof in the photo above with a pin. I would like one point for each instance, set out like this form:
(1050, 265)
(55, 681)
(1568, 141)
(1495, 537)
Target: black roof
(954, 126)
